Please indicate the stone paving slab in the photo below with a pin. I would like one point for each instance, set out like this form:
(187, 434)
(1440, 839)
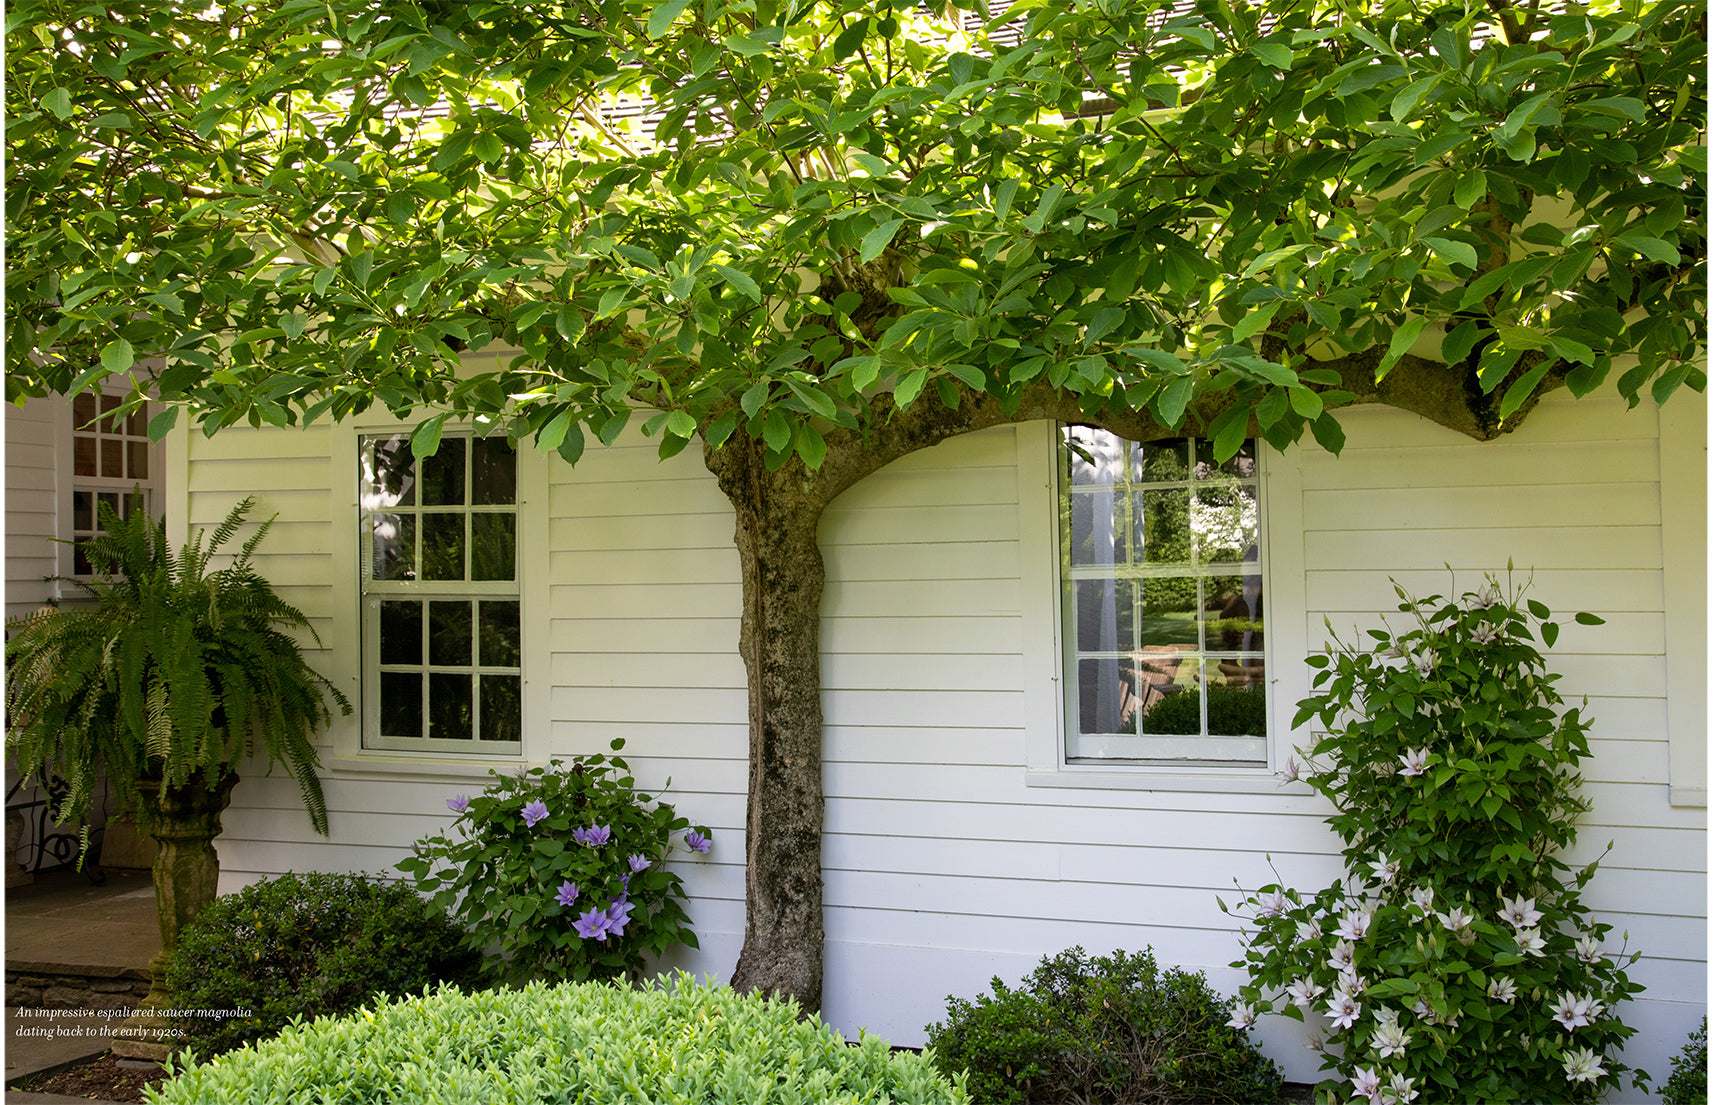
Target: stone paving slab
(38, 1043)
(63, 922)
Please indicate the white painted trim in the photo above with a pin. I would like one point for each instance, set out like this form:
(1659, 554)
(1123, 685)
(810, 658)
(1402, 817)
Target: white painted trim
(1285, 565)
(1224, 781)
(1040, 597)
(176, 479)
(348, 757)
(1681, 459)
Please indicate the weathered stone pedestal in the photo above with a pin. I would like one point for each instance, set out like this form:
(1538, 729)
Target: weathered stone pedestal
(186, 820)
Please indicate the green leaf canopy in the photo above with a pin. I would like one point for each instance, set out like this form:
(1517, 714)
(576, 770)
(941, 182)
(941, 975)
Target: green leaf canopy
(754, 215)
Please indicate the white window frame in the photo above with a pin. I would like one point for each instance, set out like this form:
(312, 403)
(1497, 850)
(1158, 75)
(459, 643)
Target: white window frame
(1204, 749)
(350, 756)
(1286, 672)
(70, 484)
(375, 592)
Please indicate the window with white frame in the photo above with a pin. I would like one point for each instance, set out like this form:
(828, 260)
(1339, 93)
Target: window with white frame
(1163, 602)
(111, 457)
(440, 596)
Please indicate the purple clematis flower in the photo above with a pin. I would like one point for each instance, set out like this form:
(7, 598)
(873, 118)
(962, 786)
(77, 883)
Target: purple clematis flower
(639, 863)
(592, 925)
(593, 835)
(618, 915)
(568, 893)
(534, 813)
(697, 842)
(458, 803)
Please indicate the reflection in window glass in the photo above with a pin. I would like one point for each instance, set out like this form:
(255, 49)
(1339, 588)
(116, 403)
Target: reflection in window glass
(399, 632)
(1163, 601)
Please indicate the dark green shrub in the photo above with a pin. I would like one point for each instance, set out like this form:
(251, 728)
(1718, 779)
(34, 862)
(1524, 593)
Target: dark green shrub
(305, 946)
(1101, 1029)
(1689, 1082)
(599, 1043)
(1236, 710)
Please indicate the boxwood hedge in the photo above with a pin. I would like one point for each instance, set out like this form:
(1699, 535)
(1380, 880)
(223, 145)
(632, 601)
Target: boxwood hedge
(595, 1043)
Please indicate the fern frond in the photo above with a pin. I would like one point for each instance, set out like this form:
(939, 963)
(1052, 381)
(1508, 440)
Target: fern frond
(174, 673)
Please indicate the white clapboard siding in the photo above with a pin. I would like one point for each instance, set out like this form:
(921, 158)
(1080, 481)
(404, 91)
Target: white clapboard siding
(942, 863)
(1574, 498)
(32, 504)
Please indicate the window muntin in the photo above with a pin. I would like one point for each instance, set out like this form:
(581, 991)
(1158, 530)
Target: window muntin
(1163, 602)
(441, 598)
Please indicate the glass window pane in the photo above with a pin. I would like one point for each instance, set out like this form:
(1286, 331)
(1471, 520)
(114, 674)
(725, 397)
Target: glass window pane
(1168, 539)
(110, 404)
(1103, 615)
(110, 499)
(445, 473)
(389, 474)
(442, 545)
(81, 565)
(452, 642)
(113, 459)
(1236, 698)
(500, 635)
(392, 546)
(1171, 697)
(1166, 461)
(399, 632)
(494, 472)
(1226, 520)
(494, 546)
(500, 708)
(1104, 529)
(137, 423)
(1235, 617)
(83, 511)
(83, 455)
(1098, 457)
(452, 706)
(1105, 689)
(399, 704)
(137, 460)
(1167, 613)
(83, 409)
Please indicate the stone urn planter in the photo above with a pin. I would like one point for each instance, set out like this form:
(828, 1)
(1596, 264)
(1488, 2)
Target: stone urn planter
(185, 822)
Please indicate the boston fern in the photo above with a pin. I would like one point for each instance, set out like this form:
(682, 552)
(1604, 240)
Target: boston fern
(172, 675)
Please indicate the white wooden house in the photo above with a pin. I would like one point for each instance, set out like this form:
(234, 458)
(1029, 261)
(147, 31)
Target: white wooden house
(968, 830)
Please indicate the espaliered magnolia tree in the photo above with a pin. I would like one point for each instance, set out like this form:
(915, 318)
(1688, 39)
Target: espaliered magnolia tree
(811, 236)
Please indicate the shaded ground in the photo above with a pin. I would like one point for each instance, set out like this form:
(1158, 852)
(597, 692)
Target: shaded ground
(101, 1078)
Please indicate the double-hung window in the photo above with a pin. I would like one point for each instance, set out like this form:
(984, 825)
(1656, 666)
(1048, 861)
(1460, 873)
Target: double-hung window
(1163, 601)
(441, 596)
(111, 458)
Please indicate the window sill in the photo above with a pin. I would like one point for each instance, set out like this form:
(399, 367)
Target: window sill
(1250, 781)
(387, 765)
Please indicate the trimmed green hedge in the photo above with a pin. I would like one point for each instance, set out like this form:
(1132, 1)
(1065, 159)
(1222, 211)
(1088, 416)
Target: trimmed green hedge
(595, 1043)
